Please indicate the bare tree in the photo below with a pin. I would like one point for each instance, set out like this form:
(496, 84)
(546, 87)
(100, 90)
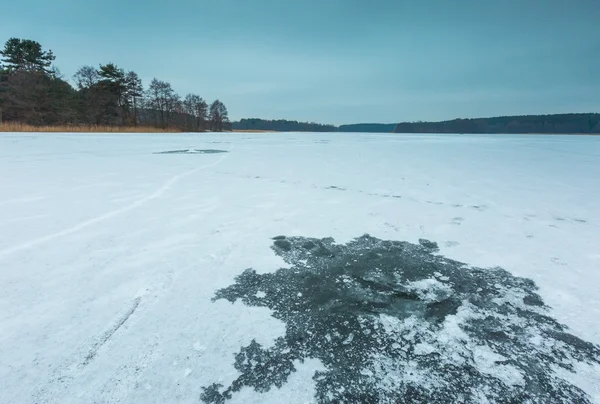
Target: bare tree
(97, 103)
(86, 77)
(36, 98)
(201, 114)
(163, 101)
(219, 117)
(196, 110)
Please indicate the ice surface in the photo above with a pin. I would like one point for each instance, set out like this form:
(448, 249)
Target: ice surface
(111, 250)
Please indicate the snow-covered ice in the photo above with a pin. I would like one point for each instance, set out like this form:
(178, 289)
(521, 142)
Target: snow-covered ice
(113, 247)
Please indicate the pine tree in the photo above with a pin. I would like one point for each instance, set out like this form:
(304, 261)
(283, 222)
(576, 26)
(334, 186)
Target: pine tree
(134, 89)
(113, 85)
(26, 55)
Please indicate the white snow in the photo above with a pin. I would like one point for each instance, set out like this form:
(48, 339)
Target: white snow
(429, 289)
(110, 254)
(348, 339)
(485, 360)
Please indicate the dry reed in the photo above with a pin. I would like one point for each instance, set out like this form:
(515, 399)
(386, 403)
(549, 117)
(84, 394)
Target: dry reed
(21, 127)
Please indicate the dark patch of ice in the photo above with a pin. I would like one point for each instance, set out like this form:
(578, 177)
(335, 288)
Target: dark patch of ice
(393, 321)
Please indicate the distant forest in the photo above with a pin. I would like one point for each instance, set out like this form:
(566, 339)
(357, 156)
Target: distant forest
(282, 125)
(368, 127)
(33, 91)
(551, 124)
(558, 123)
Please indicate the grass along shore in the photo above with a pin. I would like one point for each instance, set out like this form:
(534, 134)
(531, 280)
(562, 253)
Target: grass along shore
(21, 127)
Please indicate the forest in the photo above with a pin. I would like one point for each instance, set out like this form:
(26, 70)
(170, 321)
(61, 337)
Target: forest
(34, 92)
(550, 124)
(557, 123)
(281, 125)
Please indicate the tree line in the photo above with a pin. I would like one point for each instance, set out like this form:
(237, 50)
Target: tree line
(557, 123)
(281, 125)
(368, 127)
(33, 91)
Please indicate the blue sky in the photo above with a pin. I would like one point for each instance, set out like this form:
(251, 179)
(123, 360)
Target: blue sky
(337, 61)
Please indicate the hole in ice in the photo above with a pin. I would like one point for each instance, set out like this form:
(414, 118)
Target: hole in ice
(193, 151)
(393, 321)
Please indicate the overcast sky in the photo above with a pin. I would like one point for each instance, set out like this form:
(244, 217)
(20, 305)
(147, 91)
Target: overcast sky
(337, 61)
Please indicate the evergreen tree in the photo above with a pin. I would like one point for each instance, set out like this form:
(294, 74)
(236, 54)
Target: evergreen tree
(134, 90)
(113, 86)
(26, 55)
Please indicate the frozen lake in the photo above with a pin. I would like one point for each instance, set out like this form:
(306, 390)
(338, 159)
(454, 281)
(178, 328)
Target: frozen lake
(124, 257)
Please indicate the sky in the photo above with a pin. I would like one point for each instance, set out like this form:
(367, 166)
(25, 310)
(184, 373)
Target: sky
(337, 61)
